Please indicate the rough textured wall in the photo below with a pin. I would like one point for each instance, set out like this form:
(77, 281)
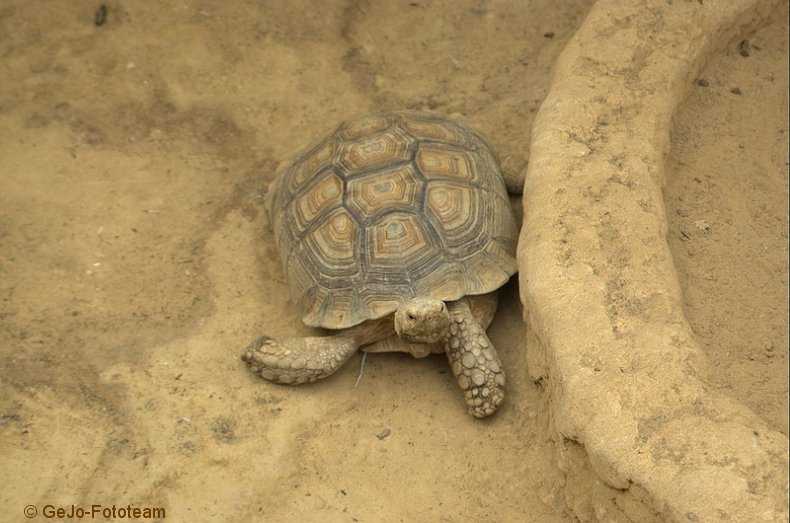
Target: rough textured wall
(641, 434)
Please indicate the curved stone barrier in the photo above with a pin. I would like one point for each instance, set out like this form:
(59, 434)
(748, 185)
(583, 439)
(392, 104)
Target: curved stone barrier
(640, 432)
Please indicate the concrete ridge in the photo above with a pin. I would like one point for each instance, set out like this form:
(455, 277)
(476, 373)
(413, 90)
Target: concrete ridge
(629, 395)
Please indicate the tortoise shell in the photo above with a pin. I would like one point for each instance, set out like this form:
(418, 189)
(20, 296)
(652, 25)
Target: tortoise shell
(386, 207)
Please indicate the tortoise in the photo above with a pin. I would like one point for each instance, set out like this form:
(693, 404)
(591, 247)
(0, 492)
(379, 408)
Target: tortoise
(394, 230)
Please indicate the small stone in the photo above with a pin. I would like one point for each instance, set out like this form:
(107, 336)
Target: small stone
(499, 379)
(702, 226)
(493, 366)
(743, 48)
(476, 351)
(463, 382)
(486, 392)
(457, 369)
(477, 402)
(453, 329)
(483, 341)
(489, 355)
(454, 343)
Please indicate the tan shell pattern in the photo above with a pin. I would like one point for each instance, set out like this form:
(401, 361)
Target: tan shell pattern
(387, 207)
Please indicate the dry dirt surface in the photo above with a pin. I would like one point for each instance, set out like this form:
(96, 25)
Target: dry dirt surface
(136, 142)
(726, 202)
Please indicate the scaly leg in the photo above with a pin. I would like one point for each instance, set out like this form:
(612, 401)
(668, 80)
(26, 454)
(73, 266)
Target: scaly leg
(474, 361)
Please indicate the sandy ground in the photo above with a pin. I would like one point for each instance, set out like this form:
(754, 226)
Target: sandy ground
(726, 201)
(136, 262)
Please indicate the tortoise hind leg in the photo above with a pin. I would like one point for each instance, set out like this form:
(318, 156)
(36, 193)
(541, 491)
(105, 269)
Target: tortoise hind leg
(474, 361)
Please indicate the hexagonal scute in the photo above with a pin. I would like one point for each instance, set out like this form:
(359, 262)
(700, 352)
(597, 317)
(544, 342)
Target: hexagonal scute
(486, 271)
(451, 204)
(397, 240)
(324, 193)
(332, 248)
(308, 165)
(440, 161)
(401, 251)
(434, 130)
(459, 214)
(375, 152)
(447, 282)
(378, 300)
(364, 126)
(371, 195)
(329, 308)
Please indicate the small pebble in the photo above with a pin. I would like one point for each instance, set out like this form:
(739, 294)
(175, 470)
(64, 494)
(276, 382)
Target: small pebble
(743, 48)
(702, 225)
(100, 16)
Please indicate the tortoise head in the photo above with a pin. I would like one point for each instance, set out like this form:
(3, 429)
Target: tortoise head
(422, 320)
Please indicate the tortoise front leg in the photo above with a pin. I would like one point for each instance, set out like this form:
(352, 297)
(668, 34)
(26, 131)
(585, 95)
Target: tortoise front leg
(294, 361)
(474, 361)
